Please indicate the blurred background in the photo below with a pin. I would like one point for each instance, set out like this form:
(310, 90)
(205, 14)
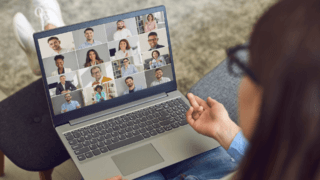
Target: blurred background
(200, 31)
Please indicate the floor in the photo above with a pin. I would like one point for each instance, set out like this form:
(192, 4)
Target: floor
(200, 32)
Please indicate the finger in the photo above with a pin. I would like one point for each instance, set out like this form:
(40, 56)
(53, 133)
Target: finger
(201, 102)
(192, 100)
(189, 117)
(211, 102)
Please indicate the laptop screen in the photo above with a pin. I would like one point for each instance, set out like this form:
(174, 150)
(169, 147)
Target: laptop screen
(99, 63)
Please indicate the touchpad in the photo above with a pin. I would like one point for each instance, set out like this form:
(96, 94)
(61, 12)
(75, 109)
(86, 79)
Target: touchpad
(137, 159)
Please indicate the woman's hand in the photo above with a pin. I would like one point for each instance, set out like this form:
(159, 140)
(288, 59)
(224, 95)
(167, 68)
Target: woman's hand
(211, 119)
(150, 62)
(127, 54)
(116, 178)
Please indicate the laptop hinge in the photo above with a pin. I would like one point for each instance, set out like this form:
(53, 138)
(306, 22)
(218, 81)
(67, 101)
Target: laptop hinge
(119, 108)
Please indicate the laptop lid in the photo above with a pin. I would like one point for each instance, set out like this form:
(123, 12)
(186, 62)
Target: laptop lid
(100, 64)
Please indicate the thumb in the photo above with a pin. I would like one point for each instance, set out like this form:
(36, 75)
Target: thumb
(211, 102)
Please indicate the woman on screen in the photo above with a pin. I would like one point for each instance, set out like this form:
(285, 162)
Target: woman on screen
(92, 58)
(157, 60)
(151, 24)
(100, 95)
(124, 49)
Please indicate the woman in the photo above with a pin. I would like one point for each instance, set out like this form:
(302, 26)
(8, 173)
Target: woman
(157, 60)
(92, 58)
(151, 24)
(278, 98)
(127, 69)
(100, 95)
(124, 49)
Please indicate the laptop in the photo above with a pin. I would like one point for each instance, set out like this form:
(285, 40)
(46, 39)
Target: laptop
(114, 115)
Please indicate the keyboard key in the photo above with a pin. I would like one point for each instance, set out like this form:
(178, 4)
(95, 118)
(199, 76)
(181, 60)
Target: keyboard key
(143, 119)
(123, 125)
(145, 113)
(88, 137)
(114, 139)
(122, 131)
(114, 134)
(73, 142)
(67, 134)
(156, 125)
(98, 128)
(100, 144)
(135, 127)
(122, 137)
(108, 136)
(146, 135)
(89, 154)
(155, 120)
(112, 123)
(173, 114)
(92, 126)
(76, 134)
(128, 135)
(82, 150)
(109, 130)
(162, 118)
(167, 127)
(149, 122)
(108, 142)
(103, 132)
(81, 139)
(125, 142)
(160, 130)
(104, 126)
(175, 125)
(86, 143)
(130, 123)
(77, 146)
(153, 132)
(143, 130)
(142, 125)
(163, 123)
(100, 138)
(93, 141)
(182, 123)
(84, 132)
(93, 146)
(150, 117)
(137, 121)
(96, 152)
(128, 129)
(116, 128)
(81, 157)
(135, 133)
(159, 109)
(104, 149)
(149, 128)
(125, 119)
(95, 134)
(156, 115)
(164, 113)
(91, 130)
(69, 137)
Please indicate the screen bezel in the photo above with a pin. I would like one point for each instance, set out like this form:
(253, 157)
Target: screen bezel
(94, 108)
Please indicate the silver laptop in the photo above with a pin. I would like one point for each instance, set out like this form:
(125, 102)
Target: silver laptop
(112, 94)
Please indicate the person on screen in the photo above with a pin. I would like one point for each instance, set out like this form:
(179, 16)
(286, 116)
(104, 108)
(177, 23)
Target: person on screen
(100, 95)
(92, 58)
(59, 60)
(122, 31)
(128, 69)
(54, 44)
(99, 79)
(131, 86)
(151, 24)
(157, 60)
(124, 49)
(88, 33)
(153, 41)
(69, 105)
(158, 73)
(64, 86)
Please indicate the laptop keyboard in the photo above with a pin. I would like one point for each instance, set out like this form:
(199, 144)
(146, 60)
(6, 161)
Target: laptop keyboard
(117, 132)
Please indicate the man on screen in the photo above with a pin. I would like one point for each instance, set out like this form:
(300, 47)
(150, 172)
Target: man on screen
(59, 60)
(64, 86)
(158, 73)
(131, 86)
(99, 79)
(122, 32)
(88, 33)
(54, 44)
(69, 105)
(153, 41)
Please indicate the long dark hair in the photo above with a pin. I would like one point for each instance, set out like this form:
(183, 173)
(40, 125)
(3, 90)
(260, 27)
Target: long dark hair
(87, 64)
(285, 57)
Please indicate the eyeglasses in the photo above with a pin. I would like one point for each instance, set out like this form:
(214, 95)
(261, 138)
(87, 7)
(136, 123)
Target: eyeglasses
(95, 73)
(238, 66)
(150, 40)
